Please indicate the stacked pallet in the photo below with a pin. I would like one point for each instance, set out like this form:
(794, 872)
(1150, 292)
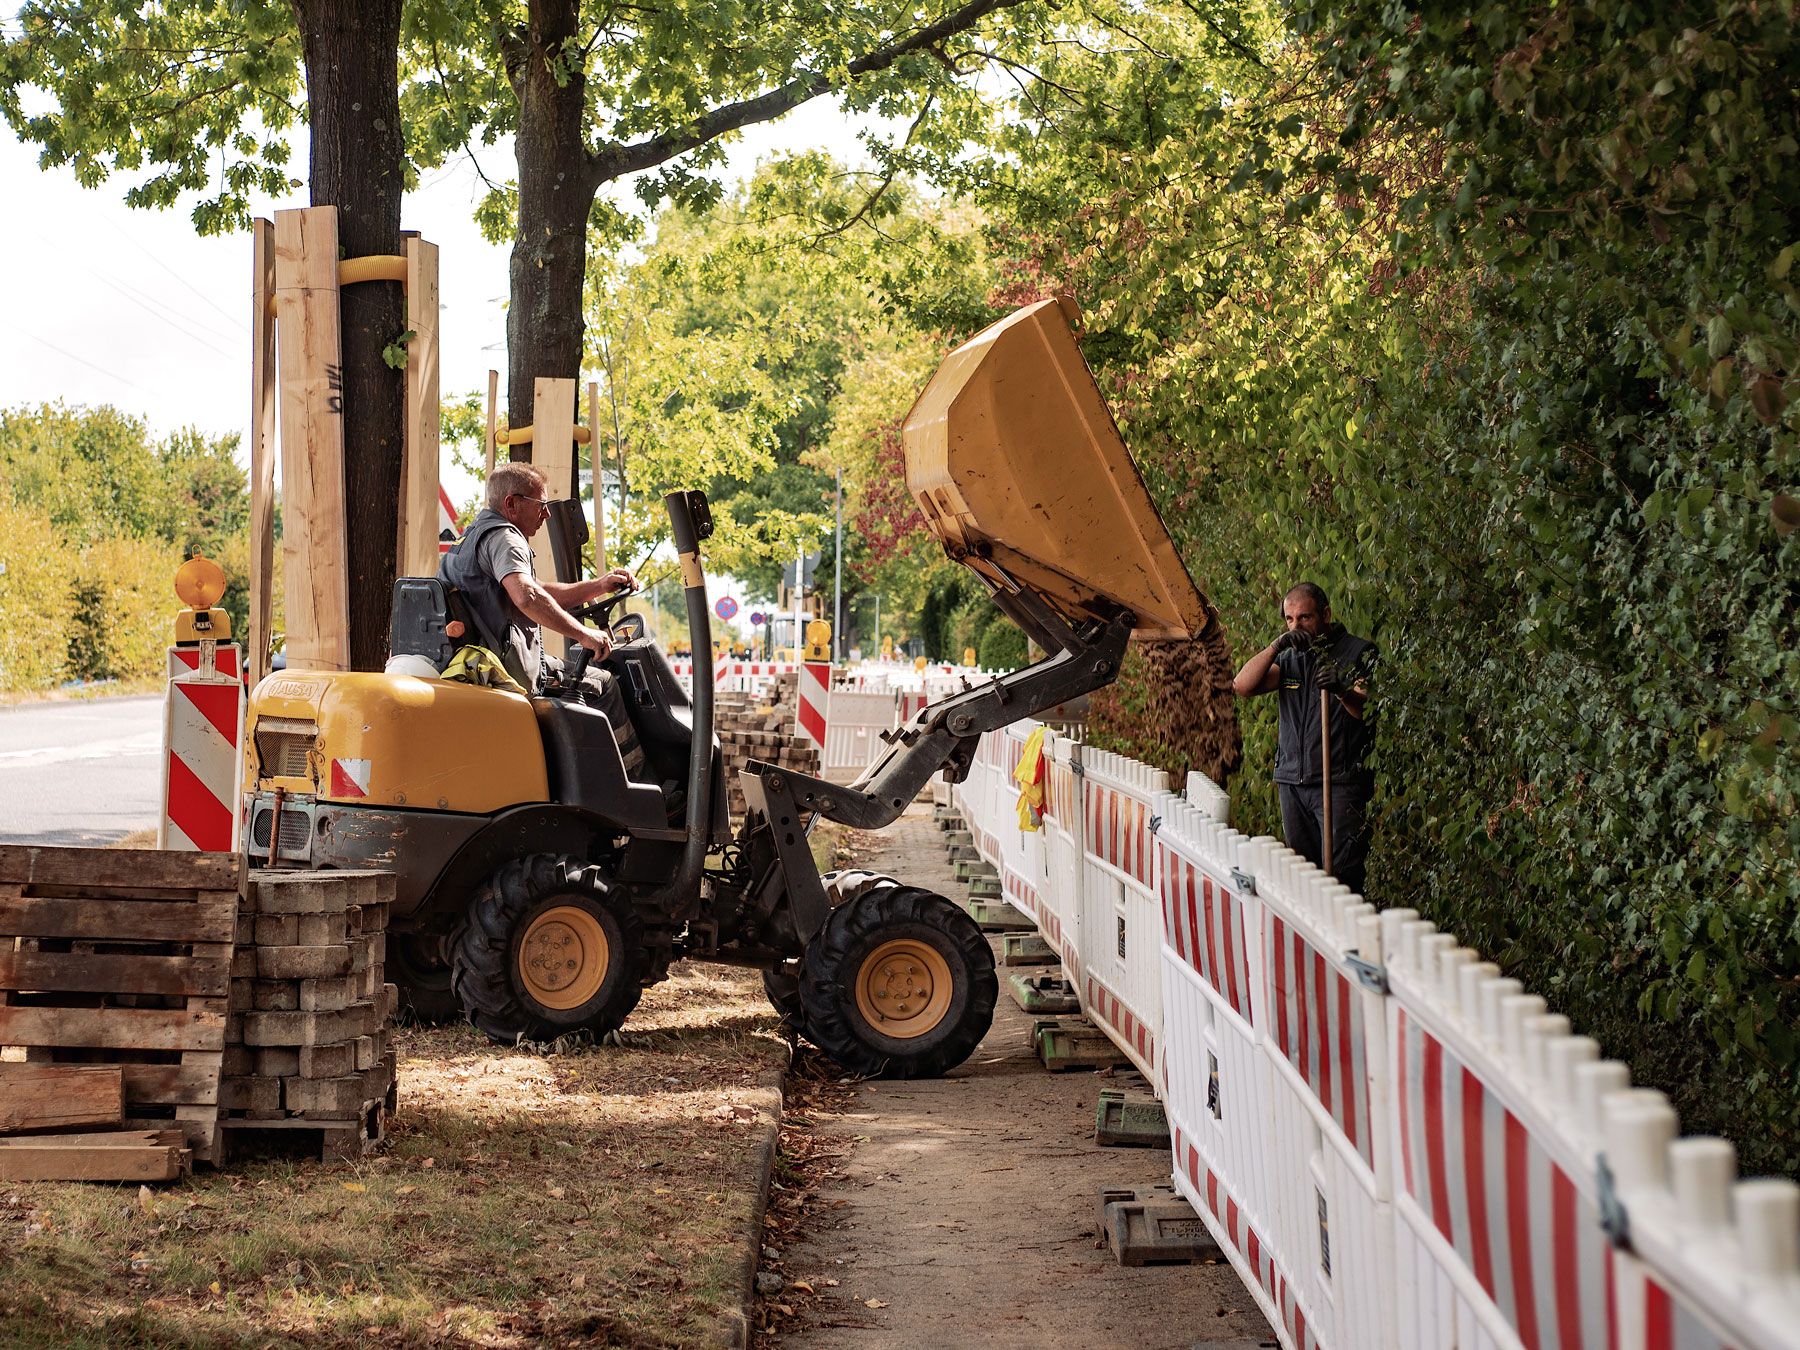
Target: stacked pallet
(308, 1059)
(113, 988)
(757, 726)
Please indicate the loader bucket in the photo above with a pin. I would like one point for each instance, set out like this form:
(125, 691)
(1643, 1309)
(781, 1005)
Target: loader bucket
(1016, 463)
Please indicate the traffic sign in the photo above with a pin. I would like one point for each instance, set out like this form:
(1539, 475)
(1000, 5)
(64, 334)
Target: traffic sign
(758, 618)
(726, 607)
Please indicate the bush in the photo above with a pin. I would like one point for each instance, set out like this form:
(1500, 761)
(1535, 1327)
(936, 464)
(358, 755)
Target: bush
(1002, 647)
(121, 609)
(34, 601)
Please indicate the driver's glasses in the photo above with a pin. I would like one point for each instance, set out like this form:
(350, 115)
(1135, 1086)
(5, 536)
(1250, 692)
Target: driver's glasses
(542, 505)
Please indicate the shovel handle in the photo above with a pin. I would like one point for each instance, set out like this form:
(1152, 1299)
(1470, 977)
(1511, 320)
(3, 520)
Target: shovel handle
(1325, 770)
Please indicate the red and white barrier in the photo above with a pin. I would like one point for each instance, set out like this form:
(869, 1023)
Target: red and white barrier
(1394, 1143)
(203, 728)
(814, 703)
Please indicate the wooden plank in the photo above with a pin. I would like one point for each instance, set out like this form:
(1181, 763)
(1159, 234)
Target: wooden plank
(70, 972)
(53, 1159)
(492, 414)
(194, 1082)
(310, 354)
(147, 868)
(114, 1028)
(417, 539)
(55, 1096)
(596, 462)
(262, 449)
(553, 453)
(210, 920)
(160, 1133)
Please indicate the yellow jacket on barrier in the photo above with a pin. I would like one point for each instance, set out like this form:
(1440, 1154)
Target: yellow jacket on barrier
(1030, 778)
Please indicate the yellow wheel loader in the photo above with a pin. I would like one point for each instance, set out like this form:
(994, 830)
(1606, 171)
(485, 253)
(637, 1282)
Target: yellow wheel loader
(541, 889)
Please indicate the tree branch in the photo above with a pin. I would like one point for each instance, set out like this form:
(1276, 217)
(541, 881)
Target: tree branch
(615, 161)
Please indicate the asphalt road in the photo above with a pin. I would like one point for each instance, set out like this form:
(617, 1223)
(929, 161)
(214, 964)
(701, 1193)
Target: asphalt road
(80, 772)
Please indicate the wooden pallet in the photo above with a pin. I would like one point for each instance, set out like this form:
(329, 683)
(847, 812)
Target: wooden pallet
(123, 957)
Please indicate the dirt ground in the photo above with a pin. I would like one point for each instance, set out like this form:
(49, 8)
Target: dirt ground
(963, 1211)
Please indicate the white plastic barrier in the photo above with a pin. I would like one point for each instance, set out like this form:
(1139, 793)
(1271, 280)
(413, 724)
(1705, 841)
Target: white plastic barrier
(1120, 922)
(1394, 1143)
(854, 723)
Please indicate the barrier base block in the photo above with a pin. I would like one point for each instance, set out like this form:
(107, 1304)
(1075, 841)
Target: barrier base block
(958, 838)
(1153, 1227)
(968, 871)
(1043, 993)
(1063, 1046)
(998, 918)
(984, 888)
(1119, 1123)
(947, 817)
(964, 853)
(1026, 949)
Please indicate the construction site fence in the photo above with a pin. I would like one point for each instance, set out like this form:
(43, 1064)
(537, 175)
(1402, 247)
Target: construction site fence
(1393, 1141)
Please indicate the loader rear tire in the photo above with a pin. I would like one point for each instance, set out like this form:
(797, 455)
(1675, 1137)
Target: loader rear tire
(782, 985)
(419, 966)
(542, 956)
(899, 983)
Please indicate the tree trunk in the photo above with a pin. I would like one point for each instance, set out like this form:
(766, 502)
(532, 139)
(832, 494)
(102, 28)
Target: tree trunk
(557, 183)
(353, 104)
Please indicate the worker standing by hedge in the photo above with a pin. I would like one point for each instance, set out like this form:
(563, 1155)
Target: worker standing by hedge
(1317, 656)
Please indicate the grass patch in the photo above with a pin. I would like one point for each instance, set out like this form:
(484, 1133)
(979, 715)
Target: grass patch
(600, 1196)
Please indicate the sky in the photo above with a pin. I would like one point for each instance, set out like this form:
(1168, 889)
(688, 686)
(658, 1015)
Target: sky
(110, 304)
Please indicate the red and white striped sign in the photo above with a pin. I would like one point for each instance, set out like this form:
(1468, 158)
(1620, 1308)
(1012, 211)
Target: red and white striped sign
(815, 700)
(1513, 1215)
(1318, 1019)
(1251, 1255)
(1118, 831)
(1204, 923)
(203, 723)
(448, 532)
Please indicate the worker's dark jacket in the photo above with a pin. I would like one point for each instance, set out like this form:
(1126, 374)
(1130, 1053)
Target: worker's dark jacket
(504, 628)
(1349, 660)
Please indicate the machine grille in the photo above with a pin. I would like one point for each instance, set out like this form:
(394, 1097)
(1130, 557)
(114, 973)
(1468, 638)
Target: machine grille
(296, 831)
(282, 746)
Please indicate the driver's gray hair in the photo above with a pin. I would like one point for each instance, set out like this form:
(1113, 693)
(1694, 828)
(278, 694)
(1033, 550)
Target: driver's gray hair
(525, 479)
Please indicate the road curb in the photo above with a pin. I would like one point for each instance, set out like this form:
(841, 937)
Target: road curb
(733, 1330)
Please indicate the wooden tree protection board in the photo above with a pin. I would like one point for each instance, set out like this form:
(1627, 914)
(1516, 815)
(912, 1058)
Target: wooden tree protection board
(598, 473)
(142, 1155)
(553, 452)
(262, 449)
(122, 957)
(311, 358)
(417, 539)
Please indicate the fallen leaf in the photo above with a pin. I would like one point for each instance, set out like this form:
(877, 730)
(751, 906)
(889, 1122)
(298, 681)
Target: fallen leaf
(557, 1192)
(874, 1303)
(406, 1190)
(146, 1200)
(355, 1186)
(429, 1163)
(803, 1286)
(215, 1287)
(578, 1281)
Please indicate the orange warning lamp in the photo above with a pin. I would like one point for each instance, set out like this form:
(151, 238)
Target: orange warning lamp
(199, 582)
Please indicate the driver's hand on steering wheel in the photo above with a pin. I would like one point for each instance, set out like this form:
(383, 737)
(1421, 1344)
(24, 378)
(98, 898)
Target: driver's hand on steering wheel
(619, 581)
(598, 640)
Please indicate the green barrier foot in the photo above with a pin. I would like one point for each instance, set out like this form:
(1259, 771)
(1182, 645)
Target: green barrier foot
(1125, 1124)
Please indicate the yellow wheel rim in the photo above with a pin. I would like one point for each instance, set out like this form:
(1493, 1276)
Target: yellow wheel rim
(903, 989)
(563, 957)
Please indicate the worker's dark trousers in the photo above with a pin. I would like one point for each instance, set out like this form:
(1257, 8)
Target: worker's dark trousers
(1303, 823)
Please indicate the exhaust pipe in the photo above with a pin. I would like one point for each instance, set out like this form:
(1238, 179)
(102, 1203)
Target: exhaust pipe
(690, 520)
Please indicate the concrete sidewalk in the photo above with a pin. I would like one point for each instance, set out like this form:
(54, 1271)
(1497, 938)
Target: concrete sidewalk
(968, 1212)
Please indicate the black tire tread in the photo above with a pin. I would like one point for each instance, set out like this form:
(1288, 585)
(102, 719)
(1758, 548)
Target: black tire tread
(481, 958)
(827, 994)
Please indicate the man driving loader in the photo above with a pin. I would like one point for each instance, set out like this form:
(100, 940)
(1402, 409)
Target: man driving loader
(491, 567)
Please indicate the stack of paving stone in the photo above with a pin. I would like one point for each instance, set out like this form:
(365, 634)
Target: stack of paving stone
(759, 726)
(307, 1057)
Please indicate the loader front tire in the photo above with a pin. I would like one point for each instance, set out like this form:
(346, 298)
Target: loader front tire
(548, 951)
(898, 984)
(419, 966)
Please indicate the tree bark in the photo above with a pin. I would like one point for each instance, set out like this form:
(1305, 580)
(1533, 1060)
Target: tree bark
(557, 183)
(351, 50)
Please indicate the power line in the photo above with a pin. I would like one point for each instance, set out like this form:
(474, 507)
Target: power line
(112, 374)
(236, 321)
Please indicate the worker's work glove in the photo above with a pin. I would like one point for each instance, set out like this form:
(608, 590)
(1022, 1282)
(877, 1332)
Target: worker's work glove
(1292, 640)
(1331, 679)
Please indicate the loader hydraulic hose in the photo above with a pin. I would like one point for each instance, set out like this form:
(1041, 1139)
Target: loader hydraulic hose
(691, 521)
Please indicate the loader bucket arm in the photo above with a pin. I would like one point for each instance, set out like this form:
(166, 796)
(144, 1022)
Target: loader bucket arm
(1021, 474)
